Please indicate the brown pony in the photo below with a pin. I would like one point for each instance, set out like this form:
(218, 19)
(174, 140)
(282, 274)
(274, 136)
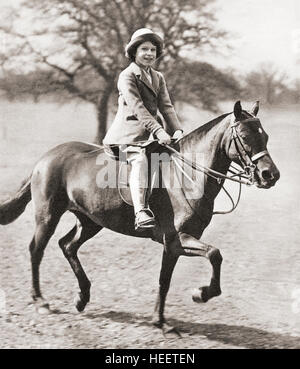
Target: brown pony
(66, 179)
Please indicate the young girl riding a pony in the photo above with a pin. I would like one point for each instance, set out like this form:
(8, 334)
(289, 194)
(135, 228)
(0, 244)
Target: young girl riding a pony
(142, 92)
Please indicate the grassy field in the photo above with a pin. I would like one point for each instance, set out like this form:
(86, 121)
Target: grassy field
(260, 304)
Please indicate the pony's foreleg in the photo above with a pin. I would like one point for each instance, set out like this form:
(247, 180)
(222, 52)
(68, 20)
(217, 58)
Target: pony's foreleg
(193, 247)
(70, 244)
(169, 261)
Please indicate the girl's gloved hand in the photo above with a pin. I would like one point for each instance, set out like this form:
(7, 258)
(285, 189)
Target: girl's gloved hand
(177, 135)
(163, 137)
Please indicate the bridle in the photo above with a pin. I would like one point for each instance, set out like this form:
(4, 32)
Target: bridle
(247, 161)
(246, 174)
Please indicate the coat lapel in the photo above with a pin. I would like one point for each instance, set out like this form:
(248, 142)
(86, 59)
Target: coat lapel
(141, 74)
(155, 80)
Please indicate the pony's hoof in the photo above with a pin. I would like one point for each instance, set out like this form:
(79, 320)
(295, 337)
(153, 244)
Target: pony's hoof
(165, 328)
(200, 295)
(157, 323)
(168, 329)
(80, 304)
(43, 309)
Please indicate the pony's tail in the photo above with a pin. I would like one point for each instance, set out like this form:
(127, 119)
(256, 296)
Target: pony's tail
(12, 208)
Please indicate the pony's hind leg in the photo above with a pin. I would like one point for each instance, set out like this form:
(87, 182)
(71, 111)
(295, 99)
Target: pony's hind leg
(169, 261)
(70, 244)
(45, 227)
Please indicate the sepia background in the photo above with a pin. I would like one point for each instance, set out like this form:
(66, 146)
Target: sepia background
(59, 66)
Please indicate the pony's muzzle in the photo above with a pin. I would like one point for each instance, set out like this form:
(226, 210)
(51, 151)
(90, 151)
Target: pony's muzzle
(268, 176)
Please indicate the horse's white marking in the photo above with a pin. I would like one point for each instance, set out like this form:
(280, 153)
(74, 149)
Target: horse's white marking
(260, 130)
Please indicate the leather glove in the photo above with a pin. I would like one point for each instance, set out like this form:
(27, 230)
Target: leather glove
(163, 137)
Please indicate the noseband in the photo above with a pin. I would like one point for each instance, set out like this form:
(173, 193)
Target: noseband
(247, 161)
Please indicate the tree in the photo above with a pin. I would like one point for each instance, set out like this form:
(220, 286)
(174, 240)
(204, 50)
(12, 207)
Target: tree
(196, 82)
(78, 45)
(266, 84)
(30, 85)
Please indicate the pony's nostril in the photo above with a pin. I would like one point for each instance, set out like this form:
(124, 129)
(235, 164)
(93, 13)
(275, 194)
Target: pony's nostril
(266, 174)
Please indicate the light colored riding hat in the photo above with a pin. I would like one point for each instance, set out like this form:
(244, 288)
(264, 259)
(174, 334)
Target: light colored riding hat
(142, 35)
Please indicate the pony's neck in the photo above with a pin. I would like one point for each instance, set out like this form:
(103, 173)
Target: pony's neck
(209, 142)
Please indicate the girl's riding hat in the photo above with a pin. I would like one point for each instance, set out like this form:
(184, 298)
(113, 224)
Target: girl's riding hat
(140, 36)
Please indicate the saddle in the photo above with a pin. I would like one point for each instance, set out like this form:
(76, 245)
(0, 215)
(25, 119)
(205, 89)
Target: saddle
(154, 177)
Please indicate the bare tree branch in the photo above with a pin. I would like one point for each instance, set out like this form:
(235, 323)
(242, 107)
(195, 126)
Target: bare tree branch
(86, 40)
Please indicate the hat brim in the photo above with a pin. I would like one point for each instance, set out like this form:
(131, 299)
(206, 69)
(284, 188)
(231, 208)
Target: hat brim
(152, 37)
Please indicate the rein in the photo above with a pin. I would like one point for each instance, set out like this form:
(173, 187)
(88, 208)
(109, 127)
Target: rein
(216, 175)
(245, 176)
(213, 173)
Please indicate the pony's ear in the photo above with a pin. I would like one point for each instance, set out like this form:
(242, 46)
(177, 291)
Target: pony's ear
(237, 110)
(255, 108)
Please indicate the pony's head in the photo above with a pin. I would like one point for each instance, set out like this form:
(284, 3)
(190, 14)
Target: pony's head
(248, 146)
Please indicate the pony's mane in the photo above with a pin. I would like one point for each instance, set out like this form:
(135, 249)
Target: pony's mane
(207, 126)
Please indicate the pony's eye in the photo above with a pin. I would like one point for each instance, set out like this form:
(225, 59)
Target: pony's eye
(260, 130)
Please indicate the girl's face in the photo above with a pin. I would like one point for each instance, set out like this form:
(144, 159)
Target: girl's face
(145, 54)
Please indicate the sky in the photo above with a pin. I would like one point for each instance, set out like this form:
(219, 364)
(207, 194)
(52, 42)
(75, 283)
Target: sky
(261, 31)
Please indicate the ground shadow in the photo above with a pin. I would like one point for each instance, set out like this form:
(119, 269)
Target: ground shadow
(237, 335)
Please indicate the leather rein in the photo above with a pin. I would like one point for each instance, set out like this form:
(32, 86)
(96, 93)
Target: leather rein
(245, 176)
